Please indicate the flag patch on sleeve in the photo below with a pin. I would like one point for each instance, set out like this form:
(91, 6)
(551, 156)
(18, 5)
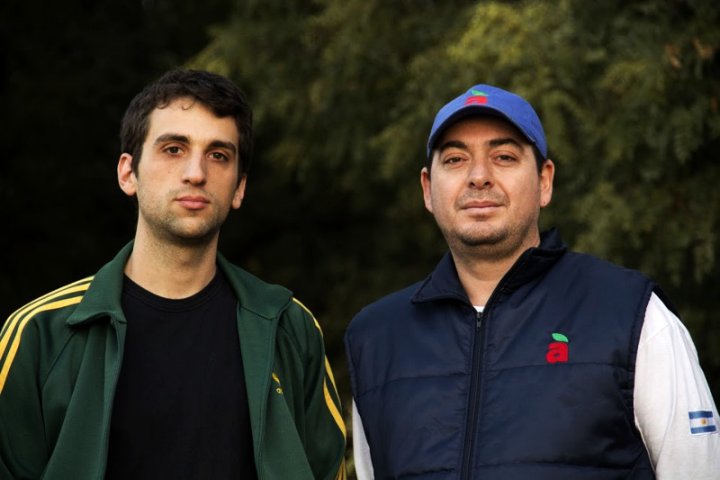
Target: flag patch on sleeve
(701, 422)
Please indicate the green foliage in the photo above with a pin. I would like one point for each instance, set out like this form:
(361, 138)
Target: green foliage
(345, 92)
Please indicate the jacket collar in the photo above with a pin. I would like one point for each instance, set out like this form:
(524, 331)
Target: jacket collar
(444, 283)
(103, 297)
(255, 295)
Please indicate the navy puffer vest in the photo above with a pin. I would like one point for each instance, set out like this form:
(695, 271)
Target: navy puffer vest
(539, 386)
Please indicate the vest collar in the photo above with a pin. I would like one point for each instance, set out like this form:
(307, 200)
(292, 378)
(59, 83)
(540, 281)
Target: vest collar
(444, 283)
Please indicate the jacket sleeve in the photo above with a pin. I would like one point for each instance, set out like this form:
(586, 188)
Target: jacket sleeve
(325, 434)
(23, 452)
(674, 409)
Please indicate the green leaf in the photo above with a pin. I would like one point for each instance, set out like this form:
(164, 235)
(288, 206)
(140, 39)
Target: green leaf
(559, 337)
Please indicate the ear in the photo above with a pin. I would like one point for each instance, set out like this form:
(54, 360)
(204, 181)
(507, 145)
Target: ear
(126, 177)
(239, 194)
(427, 188)
(547, 174)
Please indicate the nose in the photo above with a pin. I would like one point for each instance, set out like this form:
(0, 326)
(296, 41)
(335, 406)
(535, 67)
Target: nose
(480, 174)
(195, 172)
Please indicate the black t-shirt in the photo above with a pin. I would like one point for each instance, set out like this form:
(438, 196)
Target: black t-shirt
(180, 409)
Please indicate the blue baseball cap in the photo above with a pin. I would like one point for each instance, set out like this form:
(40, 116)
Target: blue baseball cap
(486, 99)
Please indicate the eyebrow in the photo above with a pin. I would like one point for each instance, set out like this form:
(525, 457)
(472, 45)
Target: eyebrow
(171, 137)
(175, 137)
(222, 144)
(495, 142)
(453, 144)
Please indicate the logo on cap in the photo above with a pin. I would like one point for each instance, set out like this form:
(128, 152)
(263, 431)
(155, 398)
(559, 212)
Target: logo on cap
(477, 98)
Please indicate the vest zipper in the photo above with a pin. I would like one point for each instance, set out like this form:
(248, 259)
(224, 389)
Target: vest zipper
(465, 473)
(477, 364)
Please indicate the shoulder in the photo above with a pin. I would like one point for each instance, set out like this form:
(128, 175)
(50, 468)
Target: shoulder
(299, 329)
(255, 295)
(662, 322)
(590, 277)
(598, 268)
(621, 293)
(41, 322)
(239, 277)
(48, 310)
(376, 314)
(271, 301)
(298, 315)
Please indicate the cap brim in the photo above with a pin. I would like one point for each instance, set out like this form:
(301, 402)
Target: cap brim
(469, 111)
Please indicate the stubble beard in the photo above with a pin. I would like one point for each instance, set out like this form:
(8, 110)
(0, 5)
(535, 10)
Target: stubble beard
(182, 235)
(187, 231)
(491, 244)
(172, 225)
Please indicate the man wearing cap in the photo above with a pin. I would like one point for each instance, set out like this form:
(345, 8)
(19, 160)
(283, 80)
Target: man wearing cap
(515, 358)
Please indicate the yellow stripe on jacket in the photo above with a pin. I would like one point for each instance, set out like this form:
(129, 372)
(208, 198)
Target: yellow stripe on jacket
(332, 407)
(12, 330)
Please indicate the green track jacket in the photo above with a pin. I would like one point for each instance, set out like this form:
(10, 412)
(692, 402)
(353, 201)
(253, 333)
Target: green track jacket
(60, 357)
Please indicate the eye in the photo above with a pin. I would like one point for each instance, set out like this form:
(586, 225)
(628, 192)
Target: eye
(173, 150)
(451, 160)
(505, 158)
(219, 156)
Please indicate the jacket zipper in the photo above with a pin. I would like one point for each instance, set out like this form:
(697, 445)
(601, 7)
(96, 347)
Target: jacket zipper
(465, 473)
(477, 364)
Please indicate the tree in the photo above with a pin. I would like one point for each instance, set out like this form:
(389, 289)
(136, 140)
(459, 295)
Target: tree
(345, 92)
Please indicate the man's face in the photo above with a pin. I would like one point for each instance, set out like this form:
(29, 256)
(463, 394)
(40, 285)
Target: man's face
(187, 180)
(485, 191)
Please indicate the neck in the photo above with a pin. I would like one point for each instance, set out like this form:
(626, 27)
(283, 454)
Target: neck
(479, 279)
(171, 270)
(480, 270)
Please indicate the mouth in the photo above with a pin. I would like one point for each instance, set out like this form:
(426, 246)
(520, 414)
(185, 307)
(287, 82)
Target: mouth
(480, 206)
(193, 202)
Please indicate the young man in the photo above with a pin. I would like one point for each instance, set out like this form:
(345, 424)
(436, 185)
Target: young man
(516, 359)
(171, 362)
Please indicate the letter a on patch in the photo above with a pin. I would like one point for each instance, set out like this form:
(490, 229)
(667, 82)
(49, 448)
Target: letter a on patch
(702, 422)
(557, 350)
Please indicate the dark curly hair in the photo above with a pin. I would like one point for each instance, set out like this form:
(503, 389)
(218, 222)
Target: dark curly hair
(220, 95)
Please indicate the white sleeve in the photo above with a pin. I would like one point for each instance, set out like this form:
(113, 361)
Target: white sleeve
(361, 449)
(674, 409)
